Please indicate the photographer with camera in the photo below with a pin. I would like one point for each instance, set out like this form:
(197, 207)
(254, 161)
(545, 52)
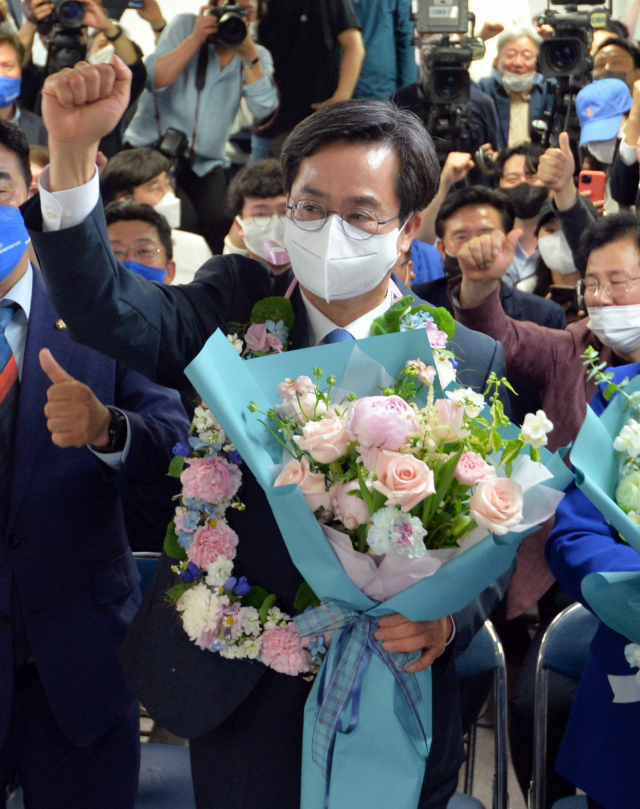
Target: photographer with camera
(202, 68)
(521, 95)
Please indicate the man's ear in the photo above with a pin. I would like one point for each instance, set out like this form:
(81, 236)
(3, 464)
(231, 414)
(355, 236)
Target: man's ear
(170, 273)
(441, 250)
(409, 232)
(238, 223)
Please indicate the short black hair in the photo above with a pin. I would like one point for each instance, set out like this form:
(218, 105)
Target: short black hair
(606, 230)
(473, 197)
(531, 151)
(129, 169)
(630, 47)
(14, 140)
(8, 37)
(372, 122)
(127, 211)
(262, 179)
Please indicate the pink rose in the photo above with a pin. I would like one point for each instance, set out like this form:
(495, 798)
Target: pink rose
(472, 468)
(497, 505)
(450, 416)
(273, 343)
(437, 338)
(312, 484)
(381, 421)
(291, 388)
(210, 542)
(258, 338)
(426, 373)
(352, 511)
(210, 479)
(325, 440)
(282, 650)
(403, 479)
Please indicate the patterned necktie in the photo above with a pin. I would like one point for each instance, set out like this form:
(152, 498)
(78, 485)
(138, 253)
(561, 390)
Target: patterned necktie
(9, 388)
(337, 336)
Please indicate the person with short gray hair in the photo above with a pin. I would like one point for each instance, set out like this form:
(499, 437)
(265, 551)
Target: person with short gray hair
(521, 94)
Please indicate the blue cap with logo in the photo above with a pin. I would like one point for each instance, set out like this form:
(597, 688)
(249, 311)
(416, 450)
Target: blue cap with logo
(600, 107)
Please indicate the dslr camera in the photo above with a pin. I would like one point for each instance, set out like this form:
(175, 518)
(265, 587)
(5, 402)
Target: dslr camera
(232, 28)
(63, 34)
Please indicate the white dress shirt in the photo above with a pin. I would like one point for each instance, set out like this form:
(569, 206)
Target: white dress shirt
(320, 325)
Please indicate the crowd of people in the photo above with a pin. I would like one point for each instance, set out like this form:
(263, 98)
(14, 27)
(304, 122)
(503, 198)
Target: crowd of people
(148, 200)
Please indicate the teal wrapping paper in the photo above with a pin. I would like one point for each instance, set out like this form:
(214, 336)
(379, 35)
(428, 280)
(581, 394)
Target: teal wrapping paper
(380, 763)
(613, 596)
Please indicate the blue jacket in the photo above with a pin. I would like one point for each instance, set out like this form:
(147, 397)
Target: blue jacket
(541, 101)
(64, 537)
(601, 746)
(390, 61)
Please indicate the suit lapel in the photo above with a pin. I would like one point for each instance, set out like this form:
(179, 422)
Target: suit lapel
(299, 336)
(31, 423)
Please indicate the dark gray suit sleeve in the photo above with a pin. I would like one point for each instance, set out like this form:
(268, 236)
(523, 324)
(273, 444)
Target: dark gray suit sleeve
(574, 221)
(624, 181)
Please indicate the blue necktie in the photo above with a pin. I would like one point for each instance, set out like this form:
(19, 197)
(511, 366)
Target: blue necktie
(337, 336)
(9, 388)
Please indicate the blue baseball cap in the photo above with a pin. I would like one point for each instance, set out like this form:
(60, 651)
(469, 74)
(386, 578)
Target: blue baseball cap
(600, 107)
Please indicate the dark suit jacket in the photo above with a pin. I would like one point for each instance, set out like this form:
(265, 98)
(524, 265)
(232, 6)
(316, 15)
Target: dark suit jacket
(33, 127)
(541, 101)
(65, 544)
(624, 180)
(157, 330)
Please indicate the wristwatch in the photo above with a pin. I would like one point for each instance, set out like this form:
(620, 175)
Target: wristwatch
(118, 34)
(247, 64)
(118, 432)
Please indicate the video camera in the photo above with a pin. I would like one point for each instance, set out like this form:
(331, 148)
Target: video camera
(445, 90)
(64, 35)
(232, 28)
(566, 58)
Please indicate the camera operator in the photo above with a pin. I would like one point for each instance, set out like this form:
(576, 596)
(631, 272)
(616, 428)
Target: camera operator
(416, 97)
(521, 95)
(192, 54)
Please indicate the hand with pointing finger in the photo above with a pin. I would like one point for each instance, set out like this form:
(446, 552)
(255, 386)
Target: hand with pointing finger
(75, 417)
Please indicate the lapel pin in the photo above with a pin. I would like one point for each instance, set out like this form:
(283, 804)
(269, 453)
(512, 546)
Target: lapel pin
(60, 324)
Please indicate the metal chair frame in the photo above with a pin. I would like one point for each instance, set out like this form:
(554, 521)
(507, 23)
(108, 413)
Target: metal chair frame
(538, 791)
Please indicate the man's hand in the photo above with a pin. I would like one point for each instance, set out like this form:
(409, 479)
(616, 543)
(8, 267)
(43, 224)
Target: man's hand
(151, 13)
(329, 102)
(487, 258)
(490, 30)
(75, 417)
(40, 10)
(206, 24)
(398, 634)
(81, 105)
(456, 167)
(557, 166)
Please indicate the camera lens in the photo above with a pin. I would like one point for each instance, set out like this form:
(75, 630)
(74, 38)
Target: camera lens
(71, 14)
(564, 56)
(232, 30)
(450, 84)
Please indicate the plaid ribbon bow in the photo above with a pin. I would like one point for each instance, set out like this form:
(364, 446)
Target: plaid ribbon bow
(341, 675)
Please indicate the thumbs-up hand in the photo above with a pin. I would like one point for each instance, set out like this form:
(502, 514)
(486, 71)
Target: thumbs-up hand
(75, 417)
(557, 166)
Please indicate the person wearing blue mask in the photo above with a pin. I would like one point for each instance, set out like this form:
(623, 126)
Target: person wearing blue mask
(11, 59)
(141, 239)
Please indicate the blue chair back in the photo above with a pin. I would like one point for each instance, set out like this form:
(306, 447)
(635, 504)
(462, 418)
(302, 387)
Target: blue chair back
(564, 649)
(147, 562)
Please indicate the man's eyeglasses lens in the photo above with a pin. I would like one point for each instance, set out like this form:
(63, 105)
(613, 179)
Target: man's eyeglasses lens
(143, 255)
(358, 223)
(615, 289)
(265, 221)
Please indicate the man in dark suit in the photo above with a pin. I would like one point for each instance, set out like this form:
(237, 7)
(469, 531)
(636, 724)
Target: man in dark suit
(359, 170)
(75, 427)
(11, 61)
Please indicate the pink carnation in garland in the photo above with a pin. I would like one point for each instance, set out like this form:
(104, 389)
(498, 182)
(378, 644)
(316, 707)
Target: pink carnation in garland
(282, 650)
(211, 479)
(211, 542)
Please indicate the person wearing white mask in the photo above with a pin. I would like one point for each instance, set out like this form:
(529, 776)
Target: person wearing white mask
(258, 201)
(141, 175)
(357, 175)
(521, 94)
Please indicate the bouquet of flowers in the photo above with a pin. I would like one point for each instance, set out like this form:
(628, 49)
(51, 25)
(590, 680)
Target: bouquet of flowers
(372, 499)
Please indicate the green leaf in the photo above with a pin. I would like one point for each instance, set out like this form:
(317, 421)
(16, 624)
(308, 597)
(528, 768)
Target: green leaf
(171, 546)
(535, 455)
(511, 451)
(266, 606)
(276, 309)
(609, 391)
(389, 322)
(305, 598)
(255, 598)
(445, 478)
(176, 466)
(175, 593)
(441, 317)
(366, 494)
(496, 441)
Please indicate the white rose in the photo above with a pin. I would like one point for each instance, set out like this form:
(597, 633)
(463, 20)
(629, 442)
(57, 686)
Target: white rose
(535, 428)
(201, 610)
(628, 492)
(628, 441)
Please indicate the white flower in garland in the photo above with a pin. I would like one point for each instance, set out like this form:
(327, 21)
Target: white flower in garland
(250, 622)
(219, 572)
(236, 342)
(275, 618)
(251, 648)
(201, 610)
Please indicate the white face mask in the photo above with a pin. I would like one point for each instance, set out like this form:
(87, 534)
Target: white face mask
(518, 84)
(102, 55)
(616, 326)
(603, 150)
(556, 253)
(170, 207)
(335, 267)
(257, 237)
